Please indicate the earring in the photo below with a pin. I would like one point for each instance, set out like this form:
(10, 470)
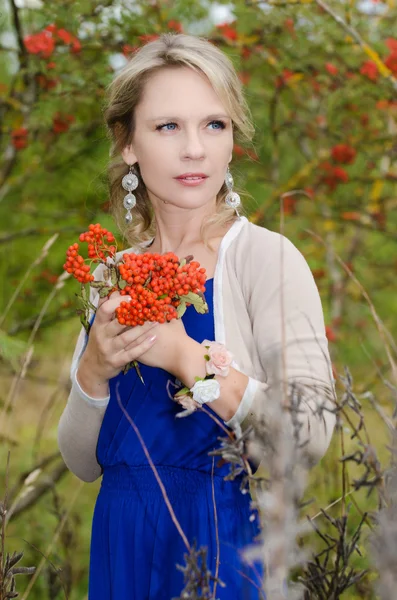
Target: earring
(129, 183)
(232, 198)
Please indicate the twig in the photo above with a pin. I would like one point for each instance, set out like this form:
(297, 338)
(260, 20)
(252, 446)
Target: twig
(155, 472)
(367, 49)
(53, 541)
(23, 233)
(383, 331)
(29, 353)
(35, 263)
(31, 497)
(216, 530)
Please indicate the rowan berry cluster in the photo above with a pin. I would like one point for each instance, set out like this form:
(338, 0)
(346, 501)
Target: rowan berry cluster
(155, 283)
(97, 239)
(75, 265)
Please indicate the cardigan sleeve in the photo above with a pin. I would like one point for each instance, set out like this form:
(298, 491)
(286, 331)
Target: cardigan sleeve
(290, 339)
(81, 420)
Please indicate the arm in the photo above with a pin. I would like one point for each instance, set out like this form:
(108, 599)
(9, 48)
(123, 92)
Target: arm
(82, 417)
(232, 387)
(289, 334)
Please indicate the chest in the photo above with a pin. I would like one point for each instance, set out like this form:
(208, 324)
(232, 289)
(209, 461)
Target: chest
(233, 322)
(206, 257)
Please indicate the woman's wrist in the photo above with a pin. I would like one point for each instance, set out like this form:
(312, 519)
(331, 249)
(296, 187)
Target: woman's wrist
(198, 370)
(189, 363)
(89, 381)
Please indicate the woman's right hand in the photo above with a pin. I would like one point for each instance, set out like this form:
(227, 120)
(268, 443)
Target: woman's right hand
(110, 345)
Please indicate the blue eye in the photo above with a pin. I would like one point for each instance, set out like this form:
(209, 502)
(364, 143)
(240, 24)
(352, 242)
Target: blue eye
(165, 125)
(221, 123)
(160, 127)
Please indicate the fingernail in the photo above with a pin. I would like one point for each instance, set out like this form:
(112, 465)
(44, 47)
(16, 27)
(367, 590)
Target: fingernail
(151, 339)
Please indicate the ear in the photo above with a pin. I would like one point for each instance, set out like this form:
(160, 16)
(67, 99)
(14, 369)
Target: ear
(129, 156)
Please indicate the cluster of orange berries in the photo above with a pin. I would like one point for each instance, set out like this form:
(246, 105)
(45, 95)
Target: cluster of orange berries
(96, 238)
(155, 283)
(75, 265)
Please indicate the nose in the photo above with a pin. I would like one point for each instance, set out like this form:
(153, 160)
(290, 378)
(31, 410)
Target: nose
(192, 146)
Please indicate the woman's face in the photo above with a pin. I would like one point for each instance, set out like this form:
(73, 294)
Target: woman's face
(181, 127)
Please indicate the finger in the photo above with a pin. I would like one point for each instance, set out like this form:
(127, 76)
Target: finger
(107, 306)
(133, 352)
(129, 339)
(114, 328)
(102, 300)
(107, 298)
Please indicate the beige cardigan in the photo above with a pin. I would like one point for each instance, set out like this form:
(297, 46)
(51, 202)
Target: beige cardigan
(265, 300)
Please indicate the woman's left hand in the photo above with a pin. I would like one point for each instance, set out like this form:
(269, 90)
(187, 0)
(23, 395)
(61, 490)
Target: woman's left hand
(169, 348)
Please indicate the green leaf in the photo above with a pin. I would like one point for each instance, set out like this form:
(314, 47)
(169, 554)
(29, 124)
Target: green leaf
(113, 275)
(98, 284)
(206, 356)
(127, 367)
(84, 310)
(133, 364)
(182, 392)
(105, 290)
(198, 302)
(181, 309)
(84, 319)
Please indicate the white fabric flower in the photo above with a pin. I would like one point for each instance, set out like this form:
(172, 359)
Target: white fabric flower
(206, 390)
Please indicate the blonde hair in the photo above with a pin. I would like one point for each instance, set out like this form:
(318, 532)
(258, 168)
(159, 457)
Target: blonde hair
(124, 94)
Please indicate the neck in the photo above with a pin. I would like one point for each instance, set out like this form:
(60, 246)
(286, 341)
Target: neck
(177, 236)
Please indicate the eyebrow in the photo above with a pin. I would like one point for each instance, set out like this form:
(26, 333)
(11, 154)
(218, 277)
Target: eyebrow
(214, 116)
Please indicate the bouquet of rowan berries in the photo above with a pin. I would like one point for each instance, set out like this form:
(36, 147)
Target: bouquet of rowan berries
(158, 287)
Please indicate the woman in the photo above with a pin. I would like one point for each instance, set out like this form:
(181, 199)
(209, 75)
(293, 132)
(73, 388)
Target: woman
(172, 115)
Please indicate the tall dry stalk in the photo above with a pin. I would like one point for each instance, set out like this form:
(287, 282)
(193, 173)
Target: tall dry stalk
(8, 563)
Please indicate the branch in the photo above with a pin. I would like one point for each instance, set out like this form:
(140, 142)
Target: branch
(46, 322)
(367, 49)
(22, 477)
(8, 49)
(23, 233)
(37, 492)
(18, 32)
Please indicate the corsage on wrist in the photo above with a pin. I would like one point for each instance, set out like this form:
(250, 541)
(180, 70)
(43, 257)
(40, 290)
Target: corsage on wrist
(207, 389)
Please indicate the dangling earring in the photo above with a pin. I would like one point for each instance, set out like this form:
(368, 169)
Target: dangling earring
(232, 198)
(129, 183)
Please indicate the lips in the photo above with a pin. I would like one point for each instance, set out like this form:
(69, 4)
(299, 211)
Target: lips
(192, 176)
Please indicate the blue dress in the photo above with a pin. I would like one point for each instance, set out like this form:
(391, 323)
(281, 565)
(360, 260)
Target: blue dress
(135, 545)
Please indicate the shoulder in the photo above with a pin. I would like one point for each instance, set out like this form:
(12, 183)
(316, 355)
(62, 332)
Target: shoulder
(268, 266)
(261, 237)
(262, 249)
